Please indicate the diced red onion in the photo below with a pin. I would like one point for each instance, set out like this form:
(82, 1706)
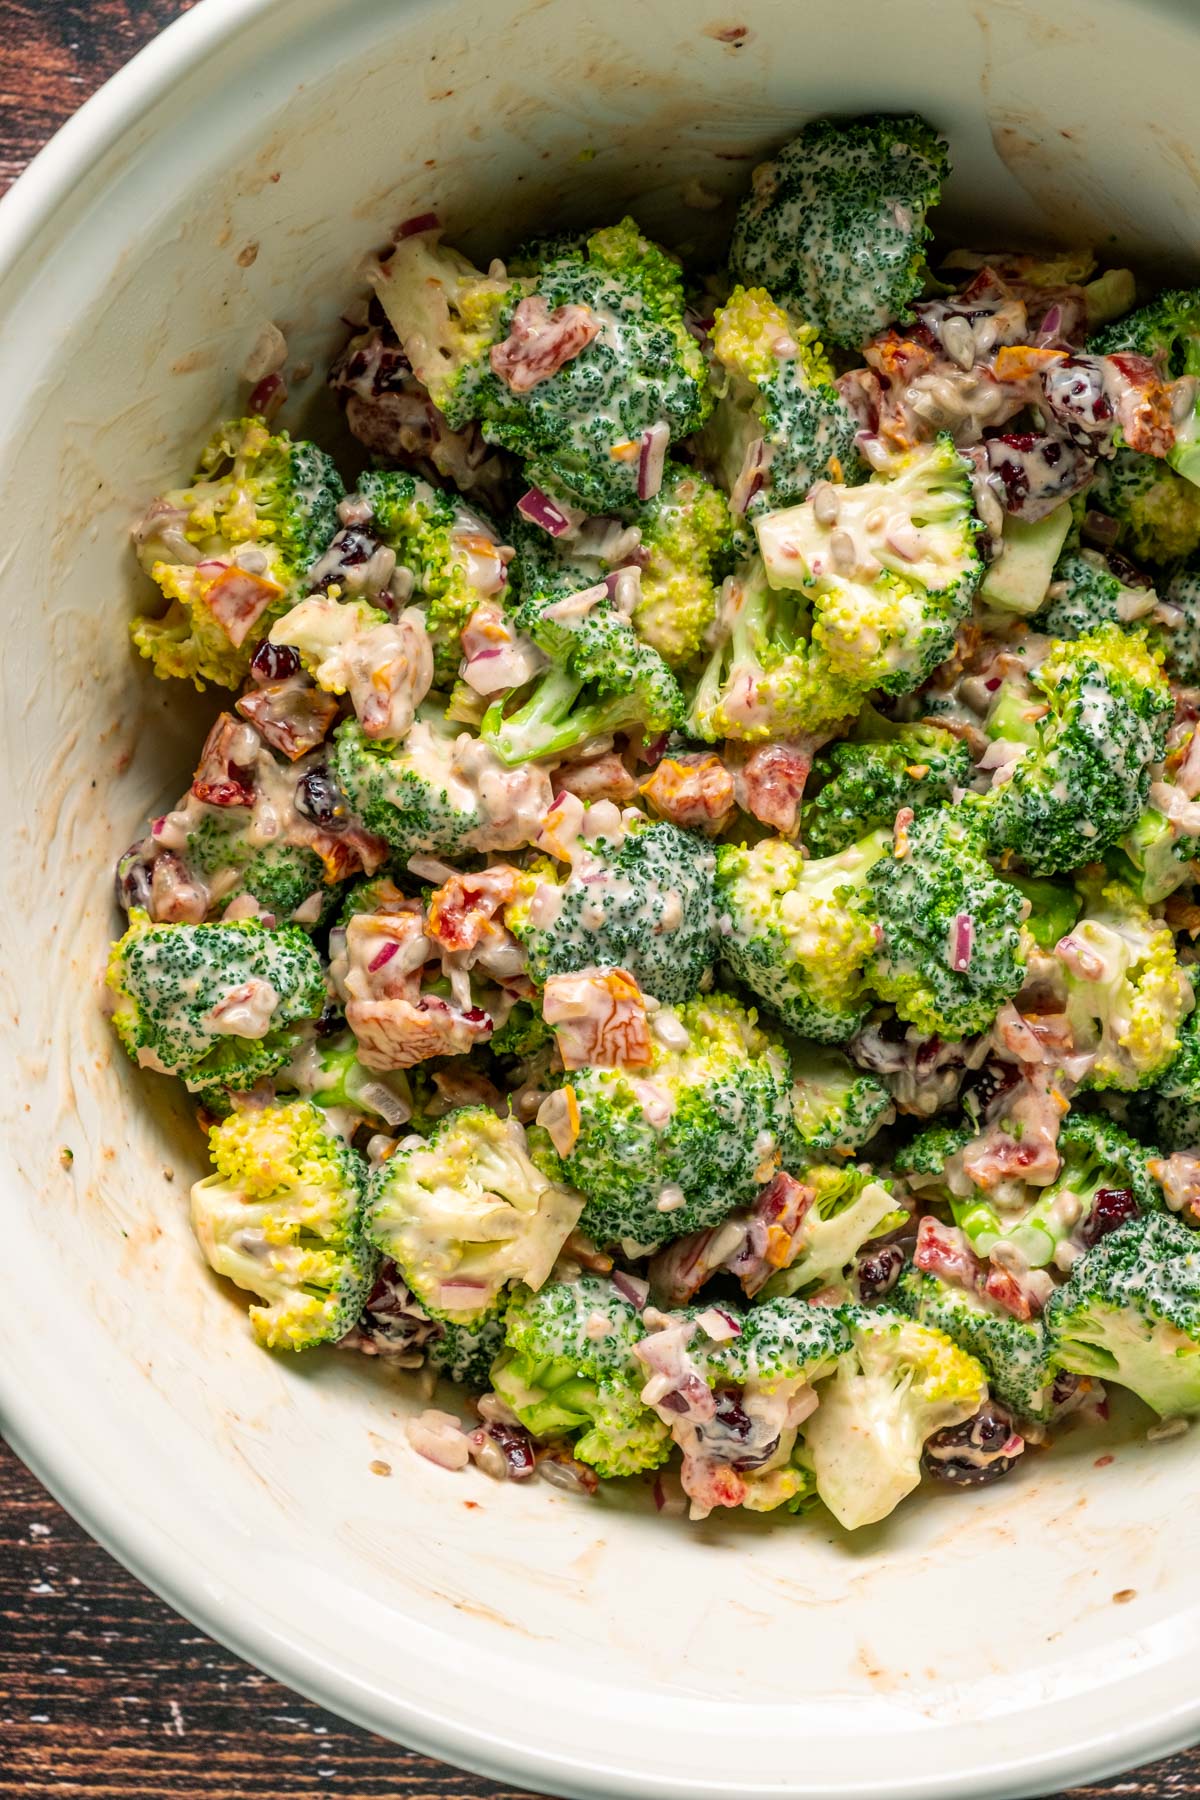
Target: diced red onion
(660, 1492)
(460, 1290)
(267, 396)
(541, 510)
(750, 476)
(631, 1288)
(1013, 1445)
(426, 221)
(159, 826)
(212, 565)
(719, 1324)
(652, 460)
(381, 957)
(1099, 528)
(1051, 325)
(962, 942)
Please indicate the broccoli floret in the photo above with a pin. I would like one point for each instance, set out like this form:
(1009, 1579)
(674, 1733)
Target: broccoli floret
(900, 1382)
(687, 543)
(213, 1003)
(949, 952)
(1168, 332)
(602, 678)
(232, 550)
(849, 1209)
(282, 1217)
(779, 423)
(1090, 589)
(837, 1106)
(1154, 857)
(1130, 1313)
(465, 1353)
(765, 677)
(835, 225)
(1126, 992)
(643, 902)
(1016, 1353)
(860, 785)
(280, 876)
(1174, 1103)
(1181, 643)
(665, 1150)
(891, 567)
(340, 1080)
(925, 1156)
(569, 1367)
(414, 795)
(464, 1213)
(730, 1384)
(1086, 779)
(1157, 510)
(1053, 908)
(588, 424)
(1096, 1154)
(792, 930)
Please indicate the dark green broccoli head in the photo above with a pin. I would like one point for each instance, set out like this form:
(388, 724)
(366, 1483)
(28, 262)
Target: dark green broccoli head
(674, 1147)
(465, 1352)
(1090, 589)
(410, 795)
(1130, 1314)
(860, 785)
(949, 952)
(1181, 643)
(1157, 510)
(1175, 1097)
(1015, 1352)
(925, 1156)
(1167, 330)
(279, 875)
(838, 1107)
(643, 903)
(213, 1003)
(569, 1368)
(835, 225)
(282, 1217)
(781, 1339)
(1086, 779)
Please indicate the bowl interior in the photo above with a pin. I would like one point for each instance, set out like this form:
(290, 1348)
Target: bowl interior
(239, 176)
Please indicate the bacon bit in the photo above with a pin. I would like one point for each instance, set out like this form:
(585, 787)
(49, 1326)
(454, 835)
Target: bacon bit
(558, 1115)
(599, 1020)
(695, 790)
(293, 715)
(1021, 362)
(237, 600)
(1182, 915)
(1003, 1288)
(916, 771)
(1145, 408)
(395, 1034)
(540, 342)
(579, 1247)
(904, 819)
(352, 852)
(373, 942)
(462, 910)
(219, 780)
(598, 778)
(770, 784)
(944, 1250)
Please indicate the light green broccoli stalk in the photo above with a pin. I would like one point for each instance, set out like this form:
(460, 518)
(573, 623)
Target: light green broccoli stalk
(1015, 1353)
(792, 930)
(1086, 778)
(1168, 332)
(779, 423)
(232, 550)
(734, 1388)
(1091, 589)
(1130, 1314)
(1053, 907)
(899, 1383)
(214, 1004)
(464, 1214)
(766, 678)
(860, 784)
(1126, 992)
(1097, 1157)
(1158, 511)
(281, 1217)
(340, 1082)
(663, 1150)
(949, 951)
(848, 1209)
(687, 543)
(640, 901)
(890, 567)
(584, 367)
(569, 1369)
(1175, 1099)
(835, 225)
(838, 1107)
(602, 679)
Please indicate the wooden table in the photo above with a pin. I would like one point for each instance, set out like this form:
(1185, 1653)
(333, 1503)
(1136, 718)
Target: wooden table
(104, 1691)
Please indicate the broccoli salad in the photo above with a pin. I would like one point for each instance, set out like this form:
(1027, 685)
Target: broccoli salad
(683, 924)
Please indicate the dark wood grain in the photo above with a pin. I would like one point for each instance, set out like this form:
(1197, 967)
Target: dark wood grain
(105, 1693)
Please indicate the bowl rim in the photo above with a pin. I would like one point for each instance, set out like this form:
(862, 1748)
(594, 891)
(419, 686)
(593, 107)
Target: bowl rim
(142, 1545)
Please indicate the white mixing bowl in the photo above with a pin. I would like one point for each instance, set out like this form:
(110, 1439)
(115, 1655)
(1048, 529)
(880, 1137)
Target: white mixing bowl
(235, 173)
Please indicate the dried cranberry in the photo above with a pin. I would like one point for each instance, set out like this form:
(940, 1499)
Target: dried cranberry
(970, 1454)
(1110, 1208)
(878, 1271)
(132, 880)
(675, 1402)
(274, 662)
(331, 1021)
(320, 799)
(732, 1416)
(517, 1448)
(987, 1086)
